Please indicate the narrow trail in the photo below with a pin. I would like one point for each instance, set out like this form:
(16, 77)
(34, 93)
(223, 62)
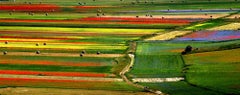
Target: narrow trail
(126, 69)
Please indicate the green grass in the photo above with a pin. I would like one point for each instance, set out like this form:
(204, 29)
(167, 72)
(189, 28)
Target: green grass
(218, 70)
(91, 51)
(77, 60)
(179, 88)
(159, 59)
(51, 16)
(157, 66)
(208, 24)
(120, 64)
(163, 47)
(163, 4)
(102, 69)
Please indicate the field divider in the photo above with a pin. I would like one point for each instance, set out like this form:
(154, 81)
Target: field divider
(61, 78)
(157, 80)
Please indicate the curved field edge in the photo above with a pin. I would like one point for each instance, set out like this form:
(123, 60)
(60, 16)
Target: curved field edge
(174, 48)
(217, 70)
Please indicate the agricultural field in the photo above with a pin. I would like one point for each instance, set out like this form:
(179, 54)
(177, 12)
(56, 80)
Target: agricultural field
(123, 47)
(211, 36)
(217, 70)
(161, 59)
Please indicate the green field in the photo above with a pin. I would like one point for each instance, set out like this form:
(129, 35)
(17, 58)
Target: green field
(157, 66)
(217, 70)
(209, 74)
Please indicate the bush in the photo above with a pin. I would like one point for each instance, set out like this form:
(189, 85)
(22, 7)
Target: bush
(188, 49)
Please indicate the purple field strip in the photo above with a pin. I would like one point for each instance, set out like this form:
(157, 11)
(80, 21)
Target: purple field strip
(211, 36)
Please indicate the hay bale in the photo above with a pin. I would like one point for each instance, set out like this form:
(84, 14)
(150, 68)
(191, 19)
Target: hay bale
(38, 52)
(44, 44)
(81, 55)
(6, 42)
(5, 52)
(98, 52)
(83, 52)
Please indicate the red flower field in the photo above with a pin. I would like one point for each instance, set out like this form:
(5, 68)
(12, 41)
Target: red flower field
(108, 20)
(75, 74)
(30, 7)
(42, 62)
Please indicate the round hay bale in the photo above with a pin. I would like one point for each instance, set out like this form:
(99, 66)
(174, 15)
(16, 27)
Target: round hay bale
(6, 42)
(81, 55)
(5, 52)
(44, 44)
(98, 52)
(83, 52)
(38, 52)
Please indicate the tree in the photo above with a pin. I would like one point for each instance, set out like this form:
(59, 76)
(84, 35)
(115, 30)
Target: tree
(188, 49)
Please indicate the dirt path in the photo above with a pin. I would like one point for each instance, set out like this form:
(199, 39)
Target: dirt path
(157, 80)
(126, 69)
(64, 54)
(60, 78)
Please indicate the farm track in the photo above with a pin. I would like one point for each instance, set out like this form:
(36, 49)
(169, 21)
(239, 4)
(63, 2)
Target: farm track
(126, 69)
(64, 54)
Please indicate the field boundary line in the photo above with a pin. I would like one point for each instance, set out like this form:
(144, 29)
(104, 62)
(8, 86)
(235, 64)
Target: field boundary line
(158, 80)
(59, 77)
